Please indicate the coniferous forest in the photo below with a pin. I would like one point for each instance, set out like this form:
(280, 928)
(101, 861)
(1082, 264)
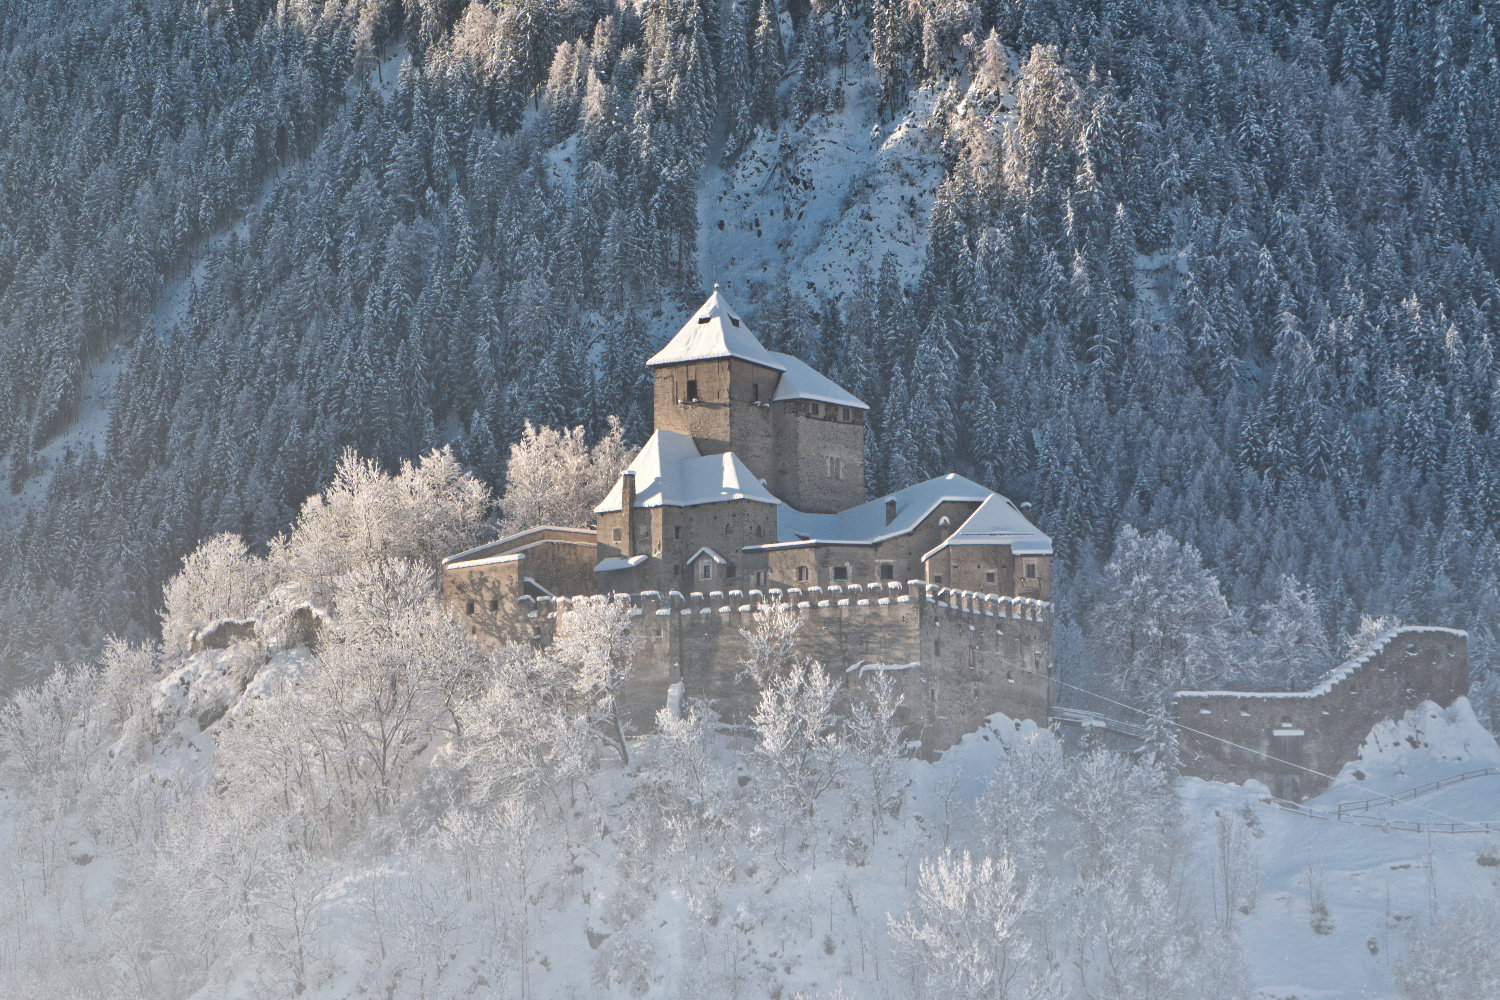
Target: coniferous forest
(1225, 271)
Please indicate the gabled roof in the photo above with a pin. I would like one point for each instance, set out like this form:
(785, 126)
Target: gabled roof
(706, 551)
(612, 563)
(998, 522)
(670, 472)
(866, 524)
(715, 331)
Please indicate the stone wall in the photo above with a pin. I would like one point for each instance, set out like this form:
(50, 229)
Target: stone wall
(958, 656)
(804, 443)
(1233, 736)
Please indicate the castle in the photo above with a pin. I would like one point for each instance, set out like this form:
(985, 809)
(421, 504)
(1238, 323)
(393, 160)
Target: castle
(752, 489)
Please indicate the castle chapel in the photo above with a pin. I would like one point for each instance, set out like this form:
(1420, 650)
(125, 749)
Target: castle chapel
(752, 489)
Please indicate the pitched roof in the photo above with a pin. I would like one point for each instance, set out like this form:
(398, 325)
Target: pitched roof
(866, 524)
(998, 522)
(715, 331)
(670, 472)
(802, 381)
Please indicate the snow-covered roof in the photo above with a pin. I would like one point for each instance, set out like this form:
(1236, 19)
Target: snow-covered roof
(998, 522)
(866, 524)
(670, 472)
(715, 331)
(619, 562)
(801, 381)
(706, 551)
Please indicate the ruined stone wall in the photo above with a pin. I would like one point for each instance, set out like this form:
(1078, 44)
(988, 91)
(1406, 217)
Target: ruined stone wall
(1324, 726)
(957, 656)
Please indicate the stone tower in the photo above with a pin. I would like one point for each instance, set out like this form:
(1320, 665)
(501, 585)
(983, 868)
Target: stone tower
(800, 434)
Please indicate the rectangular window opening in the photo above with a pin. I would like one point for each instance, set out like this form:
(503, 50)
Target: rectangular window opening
(887, 571)
(618, 533)
(801, 574)
(841, 572)
(989, 577)
(731, 571)
(815, 411)
(708, 571)
(755, 392)
(469, 608)
(494, 604)
(692, 390)
(1031, 571)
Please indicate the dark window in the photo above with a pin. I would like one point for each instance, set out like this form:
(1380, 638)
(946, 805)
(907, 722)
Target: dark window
(755, 391)
(760, 531)
(973, 657)
(704, 319)
(938, 579)
(734, 321)
(846, 413)
(677, 570)
(470, 608)
(708, 571)
(726, 528)
(758, 578)
(731, 570)
(887, 571)
(841, 572)
(989, 577)
(937, 647)
(815, 410)
(801, 574)
(618, 533)
(1031, 571)
(494, 604)
(677, 531)
(692, 390)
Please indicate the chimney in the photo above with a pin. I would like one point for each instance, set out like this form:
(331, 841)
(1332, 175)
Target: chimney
(890, 511)
(627, 508)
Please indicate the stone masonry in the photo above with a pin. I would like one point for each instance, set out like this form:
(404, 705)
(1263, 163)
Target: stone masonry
(1288, 740)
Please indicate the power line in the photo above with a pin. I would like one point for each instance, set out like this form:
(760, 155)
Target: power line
(1259, 753)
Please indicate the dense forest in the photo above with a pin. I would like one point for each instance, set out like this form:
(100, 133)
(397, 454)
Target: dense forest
(1225, 271)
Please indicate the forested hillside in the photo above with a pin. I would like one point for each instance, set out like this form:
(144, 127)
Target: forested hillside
(1225, 270)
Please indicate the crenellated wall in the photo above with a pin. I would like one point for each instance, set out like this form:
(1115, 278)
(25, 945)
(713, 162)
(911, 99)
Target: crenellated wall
(1289, 739)
(958, 656)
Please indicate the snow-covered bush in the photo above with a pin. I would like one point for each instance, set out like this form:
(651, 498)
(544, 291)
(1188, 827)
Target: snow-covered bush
(1456, 956)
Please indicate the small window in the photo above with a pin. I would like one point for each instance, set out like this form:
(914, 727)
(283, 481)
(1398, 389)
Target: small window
(731, 571)
(760, 531)
(645, 533)
(618, 534)
(494, 604)
(887, 571)
(841, 572)
(815, 411)
(677, 531)
(703, 319)
(726, 527)
(708, 571)
(677, 570)
(801, 574)
(755, 392)
(973, 657)
(469, 608)
(692, 390)
(937, 647)
(989, 577)
(846, 413)
(758, 578)
(938, 579)
(1031, 571)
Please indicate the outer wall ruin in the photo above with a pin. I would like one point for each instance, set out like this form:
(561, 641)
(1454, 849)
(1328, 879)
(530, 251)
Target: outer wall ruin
(956, 656)
(1281, 739)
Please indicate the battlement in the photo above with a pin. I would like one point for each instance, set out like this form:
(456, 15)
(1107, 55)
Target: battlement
(1290, 739)
(875, 595)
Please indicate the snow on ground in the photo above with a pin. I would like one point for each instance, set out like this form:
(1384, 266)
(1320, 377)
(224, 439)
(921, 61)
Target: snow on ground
(1377, 885)
(823, 197)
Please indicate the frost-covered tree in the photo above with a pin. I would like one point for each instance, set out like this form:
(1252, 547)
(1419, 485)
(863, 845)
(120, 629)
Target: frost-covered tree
(219, 579)
(1290, 643)
(596, 645)
(965, 938)
(1161, 622)
(554, 477)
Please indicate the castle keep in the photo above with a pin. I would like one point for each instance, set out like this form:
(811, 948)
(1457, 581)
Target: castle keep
(752, 489)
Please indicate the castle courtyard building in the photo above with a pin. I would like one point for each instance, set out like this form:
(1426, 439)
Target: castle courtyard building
(752, 489)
